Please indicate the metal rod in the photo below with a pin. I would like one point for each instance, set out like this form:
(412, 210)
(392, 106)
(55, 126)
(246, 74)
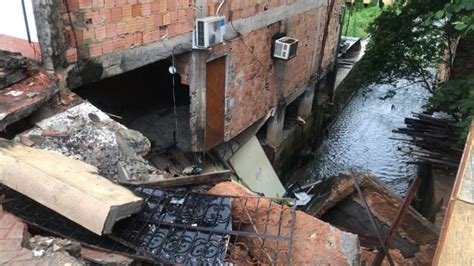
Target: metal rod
(399, 218)
(372, 221)
(25, 17)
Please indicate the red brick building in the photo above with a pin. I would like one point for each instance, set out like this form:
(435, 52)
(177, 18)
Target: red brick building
(230, 86)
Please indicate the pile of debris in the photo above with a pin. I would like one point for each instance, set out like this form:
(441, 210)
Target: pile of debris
(13, 68)
(183, 227)
(23, 88)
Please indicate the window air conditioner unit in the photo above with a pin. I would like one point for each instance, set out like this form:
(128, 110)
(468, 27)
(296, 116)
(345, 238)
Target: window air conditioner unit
(285, 48)
(209, 32)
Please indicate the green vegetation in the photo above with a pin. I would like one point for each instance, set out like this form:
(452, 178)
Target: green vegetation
(410, 38)
(357, 20)
(456, 97)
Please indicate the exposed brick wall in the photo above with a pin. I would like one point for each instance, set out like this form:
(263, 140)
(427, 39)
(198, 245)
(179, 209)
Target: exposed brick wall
(253, 73)
(104, 26)
(238, 9)
(251, 83)
(333, 33)
(298, 70)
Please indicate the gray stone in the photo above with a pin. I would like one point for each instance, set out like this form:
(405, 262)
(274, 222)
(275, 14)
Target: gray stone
(132, 143)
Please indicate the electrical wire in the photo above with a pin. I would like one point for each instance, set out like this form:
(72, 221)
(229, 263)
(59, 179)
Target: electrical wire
(174, 97)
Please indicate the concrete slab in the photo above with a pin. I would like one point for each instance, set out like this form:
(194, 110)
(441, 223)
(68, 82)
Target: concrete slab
(254, 168)
(21, 99)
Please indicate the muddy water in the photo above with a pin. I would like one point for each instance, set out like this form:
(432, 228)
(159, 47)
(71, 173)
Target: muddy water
(360, 138)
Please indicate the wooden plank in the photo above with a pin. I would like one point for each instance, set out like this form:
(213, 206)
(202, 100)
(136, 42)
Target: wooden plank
(455, 244)
(458, 248)
(214, 177)
(71, 188)
(215, 102)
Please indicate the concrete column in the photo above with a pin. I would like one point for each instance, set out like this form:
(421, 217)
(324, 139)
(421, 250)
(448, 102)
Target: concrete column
(275, 127)
(198, 99)
(197, 89)
(50, 35)
(305, 106)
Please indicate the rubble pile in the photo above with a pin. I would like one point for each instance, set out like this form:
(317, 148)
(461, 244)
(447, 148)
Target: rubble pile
(13, 68)
(315, 242)
(89, 135)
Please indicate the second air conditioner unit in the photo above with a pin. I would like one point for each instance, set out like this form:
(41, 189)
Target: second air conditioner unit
(209, 32)
(285, 48)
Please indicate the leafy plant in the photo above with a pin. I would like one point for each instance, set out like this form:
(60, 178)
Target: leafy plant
(456, 98)
(402, 46)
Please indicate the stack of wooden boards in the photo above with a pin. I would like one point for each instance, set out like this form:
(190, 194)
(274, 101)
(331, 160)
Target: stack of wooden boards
(433, 140)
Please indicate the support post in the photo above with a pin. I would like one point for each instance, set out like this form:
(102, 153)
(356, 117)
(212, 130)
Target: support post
(305, 106)
(399, 218)
(275, 127)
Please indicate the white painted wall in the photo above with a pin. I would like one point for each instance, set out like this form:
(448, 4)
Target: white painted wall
(12, 22)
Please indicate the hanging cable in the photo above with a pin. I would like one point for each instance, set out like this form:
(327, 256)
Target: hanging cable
(172, 71)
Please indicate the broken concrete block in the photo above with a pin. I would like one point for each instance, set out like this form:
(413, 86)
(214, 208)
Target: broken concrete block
(13, 242)
(13, 68)
(132, 143)
(314, 243)
(70, 187)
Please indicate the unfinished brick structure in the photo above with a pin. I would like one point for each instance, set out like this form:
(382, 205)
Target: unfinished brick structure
(90, 40)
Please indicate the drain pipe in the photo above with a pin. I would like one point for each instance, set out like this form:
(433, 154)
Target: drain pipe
(25, 17)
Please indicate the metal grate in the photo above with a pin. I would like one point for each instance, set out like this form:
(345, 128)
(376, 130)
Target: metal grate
(182, 227)
(247, 230)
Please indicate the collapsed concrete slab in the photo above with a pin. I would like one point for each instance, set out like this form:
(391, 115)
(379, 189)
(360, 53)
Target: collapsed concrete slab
(67, 186)
(19, 100)
(315, 242)
(416, 237)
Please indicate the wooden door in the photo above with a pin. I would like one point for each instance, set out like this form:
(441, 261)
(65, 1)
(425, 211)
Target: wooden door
(215, 102)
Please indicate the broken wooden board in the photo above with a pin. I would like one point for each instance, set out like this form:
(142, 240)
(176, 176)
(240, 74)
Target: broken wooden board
(253, 167)
(67, 186)
(455, 244)
(205, 178)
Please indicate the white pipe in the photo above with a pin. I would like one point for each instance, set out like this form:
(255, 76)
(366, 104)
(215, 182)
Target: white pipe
(218, 11)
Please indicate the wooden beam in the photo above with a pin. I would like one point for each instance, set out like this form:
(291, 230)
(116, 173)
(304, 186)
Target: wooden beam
(399, 218)
(213, 177)
(71, 188)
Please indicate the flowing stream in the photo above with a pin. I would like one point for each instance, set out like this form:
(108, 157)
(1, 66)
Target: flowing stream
(361, 138)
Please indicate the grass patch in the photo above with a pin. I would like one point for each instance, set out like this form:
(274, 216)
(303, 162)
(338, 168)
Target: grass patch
(357, 20)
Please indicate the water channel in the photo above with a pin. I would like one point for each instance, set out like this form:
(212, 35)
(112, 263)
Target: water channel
(361, 137)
